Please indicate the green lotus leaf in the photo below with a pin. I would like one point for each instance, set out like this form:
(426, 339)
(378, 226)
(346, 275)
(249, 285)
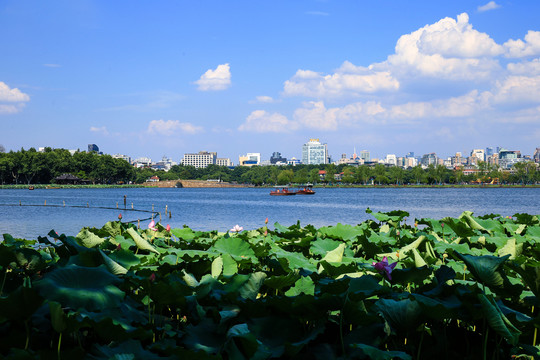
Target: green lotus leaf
(140, 242)
(411, 275)
(242, 344)
(88, 239)
(251, 288)
(497, 320)
(460, 228)
(29, 259)
(486, 269)
(124, 243)
(418, 260)
(321, 247)
(512, 249)
(401, 314)
(81, 287)
(374, 353)
(230, 267)
(281, 281)
(336, 255)
(184, 234)
(395, 216)
(125, 258)
(304, 285)
(234, 246)
(527, 219)
(21, 303)
(438, 309)
(112, 266)
(293, 260)
(364, 286)
(127, 350)
(341, 232)
(217, 266)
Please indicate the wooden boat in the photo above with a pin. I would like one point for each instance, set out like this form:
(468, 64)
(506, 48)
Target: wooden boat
(306, 190)
(282, 192)
(30, 187)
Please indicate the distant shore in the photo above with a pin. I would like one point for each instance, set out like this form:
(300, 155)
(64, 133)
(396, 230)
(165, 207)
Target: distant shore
(211, 184)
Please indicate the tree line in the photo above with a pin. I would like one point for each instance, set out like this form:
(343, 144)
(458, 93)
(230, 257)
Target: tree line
(33, 167)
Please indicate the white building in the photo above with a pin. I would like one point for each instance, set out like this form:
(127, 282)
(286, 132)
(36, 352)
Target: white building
(224, 162)
(123, 157)
(479, 154)
(391, 159)
(313, 152)
(142, 162)
(250, 159)
(200, 160)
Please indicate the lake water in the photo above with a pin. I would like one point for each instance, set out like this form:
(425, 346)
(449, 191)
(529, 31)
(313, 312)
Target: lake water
(221, 209)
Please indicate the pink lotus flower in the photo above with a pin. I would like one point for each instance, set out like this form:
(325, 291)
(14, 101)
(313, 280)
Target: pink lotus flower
(152, 277)
(119, 216)
(384, 267)
(168, 228)
(236, 229)
(152, 225)
(266, 221)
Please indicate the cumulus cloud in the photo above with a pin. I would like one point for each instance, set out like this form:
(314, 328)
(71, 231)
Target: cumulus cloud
(529, 47)
(517, 89)
(448, 49)
(347, 80)
(525, 68)
(14, 98)
(489, 6)
(100, 130)
(218, 79)
(262, 121)
(315, 115)
(12, 95)
(171, 127)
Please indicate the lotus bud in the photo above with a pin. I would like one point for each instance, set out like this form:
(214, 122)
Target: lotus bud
(168, 228)
(266, 221)
(119, 216)
(152, 277)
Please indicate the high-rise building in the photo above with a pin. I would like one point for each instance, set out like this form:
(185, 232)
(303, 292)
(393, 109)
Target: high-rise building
(277, 158)
(391, 159)
(489, 151)
(536, 155)
(200, 160)
(428, 159)
(479, 154)
(93, 147)
(364, 155)
(313, 152)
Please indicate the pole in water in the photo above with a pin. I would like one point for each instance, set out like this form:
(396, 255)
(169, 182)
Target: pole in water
(152, 207)
(45, 202)
(124, 201)
(87, 205)
(20, 203)
(132, 205)
(117, 205)
(170, 214)
(64, 202)
(159, 217)
(138, 223)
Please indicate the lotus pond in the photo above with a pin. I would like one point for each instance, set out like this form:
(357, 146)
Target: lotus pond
(464, 287)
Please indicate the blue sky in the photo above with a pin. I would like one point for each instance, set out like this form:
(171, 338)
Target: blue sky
(161, 78)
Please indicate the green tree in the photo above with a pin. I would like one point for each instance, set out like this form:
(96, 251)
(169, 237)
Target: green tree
(418, 174)
(285, 177)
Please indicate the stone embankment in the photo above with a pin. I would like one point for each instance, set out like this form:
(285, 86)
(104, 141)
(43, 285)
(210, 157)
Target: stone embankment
(192, 184)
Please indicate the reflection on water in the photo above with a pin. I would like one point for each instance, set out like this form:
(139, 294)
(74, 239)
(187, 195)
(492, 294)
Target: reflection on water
(220, 209)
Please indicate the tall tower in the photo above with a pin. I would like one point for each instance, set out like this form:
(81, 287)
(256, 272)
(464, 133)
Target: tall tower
(313, 152)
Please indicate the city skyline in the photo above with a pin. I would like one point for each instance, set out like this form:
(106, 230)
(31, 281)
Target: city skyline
(177, 77)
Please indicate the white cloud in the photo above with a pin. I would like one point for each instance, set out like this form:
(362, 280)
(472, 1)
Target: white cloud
(525, 68)
(529, 47)
(262, 121)
(492, 5)
(12, 95)
(218, 79)
(448, 49)
(347, 80)
(265, 99)
(316, 116)
(10, 109)
(517, 89)
(171, 127)
(100, 130)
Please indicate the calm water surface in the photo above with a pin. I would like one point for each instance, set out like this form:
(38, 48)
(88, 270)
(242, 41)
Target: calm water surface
(221, 209)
